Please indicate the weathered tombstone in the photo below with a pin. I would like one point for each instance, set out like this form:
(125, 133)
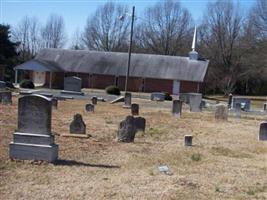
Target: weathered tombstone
(263, 131)
(77, 126)
(245, 103)
(203, 104)
(135, 109)
(221, 112)
(89, 107)
(230, 98)
(2, 85)
(140, 124)
(72, 85)
(188, 139)
(127, 100)
(238, 110)
(54, 103)
(157, 96)
(94, 100)
(195, 101)
(264, 106)
(177, 108)
(127, 130)
(6, 97)
(33, 139)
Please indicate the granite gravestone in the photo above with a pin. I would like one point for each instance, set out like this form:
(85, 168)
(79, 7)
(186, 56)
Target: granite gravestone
(177, 108)
(195, 102)
(265, 107)
(72, 85)
(157, 96)
(188, 139)
(135, 109)
(230, 98)
(127, 130)
(33, 139)
(140, 124)
(94, 100)
(221, 112)
(6, 97)
(78, 126)
(89, 107)
(127, 100)
(263, 131)
(237, 110)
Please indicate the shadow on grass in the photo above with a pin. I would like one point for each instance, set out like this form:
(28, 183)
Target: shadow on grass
(77, 163)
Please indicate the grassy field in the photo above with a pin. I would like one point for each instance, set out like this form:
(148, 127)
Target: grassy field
(226, 162)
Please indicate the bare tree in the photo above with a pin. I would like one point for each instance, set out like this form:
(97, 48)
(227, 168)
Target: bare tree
(105, 30)
(53, 33)
(76, 40)
(220, 40)
(166, 29)
(259, 16)
(27, 33)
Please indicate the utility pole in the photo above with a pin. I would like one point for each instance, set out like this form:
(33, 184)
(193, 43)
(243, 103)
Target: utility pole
(129, 52)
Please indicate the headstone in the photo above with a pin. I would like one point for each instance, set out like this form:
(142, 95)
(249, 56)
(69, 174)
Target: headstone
(135, 109)
(127, 130)
(195, 101)
(238, 110)
(185, 97)
(127, 100)
(77, 126)
(221, 112)
(203, 104)
(72, 85)
(6, 97)
(89, 107)
(25, 92)
(230, 98)
(94, 100)
(245, 103)
(177, 108)
(263, 131)
(54, 102)
(2, 85)
(265, 107)
(33, 139)
(157, 96)
(188, 139)
(140, 124)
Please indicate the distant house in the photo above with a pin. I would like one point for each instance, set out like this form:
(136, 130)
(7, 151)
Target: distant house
(97, 69)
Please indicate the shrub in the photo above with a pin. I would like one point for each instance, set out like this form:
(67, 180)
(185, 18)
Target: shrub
(26, 84)
(112, 89)
(168, 97)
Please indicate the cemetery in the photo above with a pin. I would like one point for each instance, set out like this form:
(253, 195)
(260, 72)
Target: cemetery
(154, 150)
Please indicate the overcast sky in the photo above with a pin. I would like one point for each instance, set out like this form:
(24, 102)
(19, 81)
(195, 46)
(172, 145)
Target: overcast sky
(75, 12)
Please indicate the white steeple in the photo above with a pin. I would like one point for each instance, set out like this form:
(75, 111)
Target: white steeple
(193, 55)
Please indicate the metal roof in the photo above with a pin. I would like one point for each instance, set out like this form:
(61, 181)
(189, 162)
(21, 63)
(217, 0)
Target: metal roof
(39, 66)
(115, 63)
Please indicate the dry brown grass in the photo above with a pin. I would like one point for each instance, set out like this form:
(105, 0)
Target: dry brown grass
(226, 162)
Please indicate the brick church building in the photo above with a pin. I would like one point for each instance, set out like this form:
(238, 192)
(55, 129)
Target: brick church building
(98, 69)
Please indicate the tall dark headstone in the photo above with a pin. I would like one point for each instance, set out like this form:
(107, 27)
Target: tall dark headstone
(177, 108)
(33, 139)
(78, 126)
(135, 109)
(237, 110)
(230, 98)
(263, 131)
(188, 139)
(89, 107)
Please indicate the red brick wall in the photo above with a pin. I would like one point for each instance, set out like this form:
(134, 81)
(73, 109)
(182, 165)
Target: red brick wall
(85, 79)
(101, 81)
(158, 85)
(188, 86)
(57, 80)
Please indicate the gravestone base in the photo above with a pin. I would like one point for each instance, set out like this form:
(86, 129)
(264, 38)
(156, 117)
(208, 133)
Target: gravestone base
(71, 92)
(23, 151)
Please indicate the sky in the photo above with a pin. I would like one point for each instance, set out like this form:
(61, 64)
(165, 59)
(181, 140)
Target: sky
(76, 12)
